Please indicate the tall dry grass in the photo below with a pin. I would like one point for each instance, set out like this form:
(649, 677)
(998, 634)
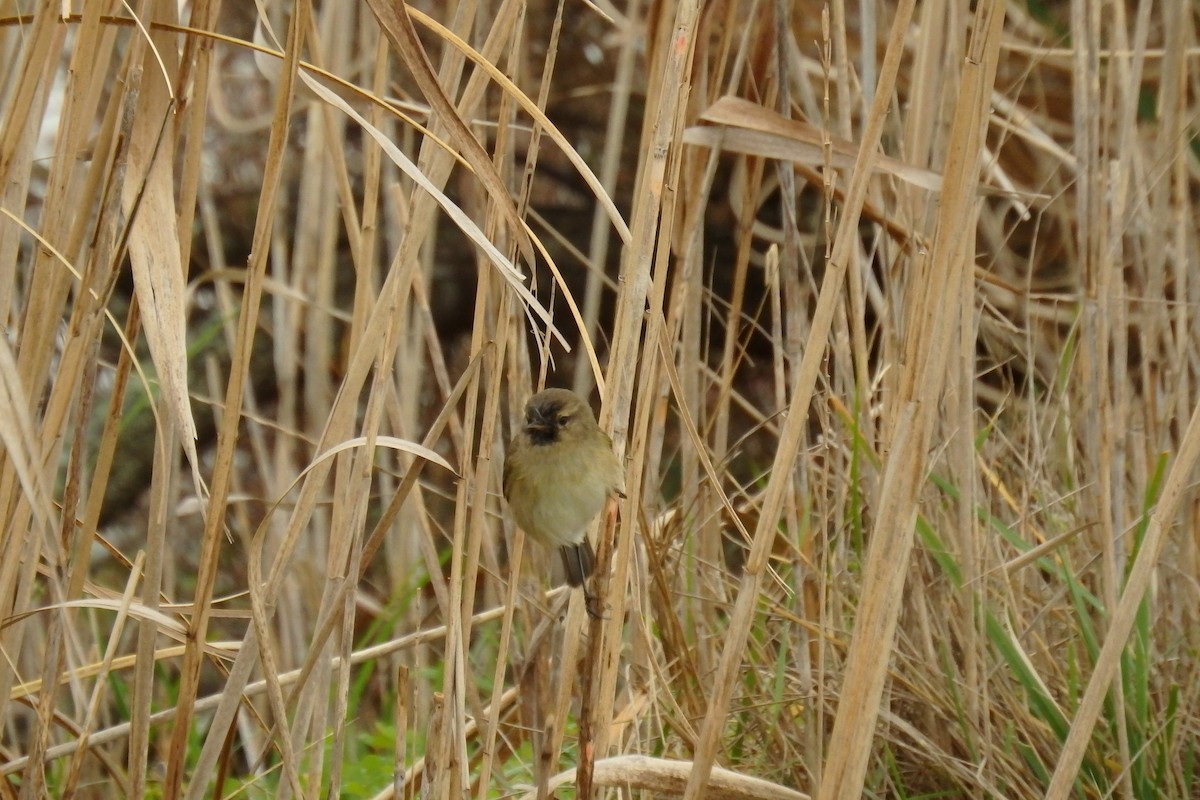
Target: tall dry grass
(889, 309)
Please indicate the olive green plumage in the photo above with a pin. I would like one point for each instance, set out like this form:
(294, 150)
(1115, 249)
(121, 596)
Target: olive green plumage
(559, 473)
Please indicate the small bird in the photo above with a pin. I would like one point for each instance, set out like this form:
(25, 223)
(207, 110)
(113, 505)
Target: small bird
(559, 473)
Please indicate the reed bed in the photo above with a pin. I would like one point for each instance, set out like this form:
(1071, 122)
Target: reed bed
(889, 308)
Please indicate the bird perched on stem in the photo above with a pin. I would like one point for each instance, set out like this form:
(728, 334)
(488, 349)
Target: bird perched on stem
(559, 474)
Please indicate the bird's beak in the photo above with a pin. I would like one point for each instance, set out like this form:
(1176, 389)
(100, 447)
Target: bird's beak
(539, 420)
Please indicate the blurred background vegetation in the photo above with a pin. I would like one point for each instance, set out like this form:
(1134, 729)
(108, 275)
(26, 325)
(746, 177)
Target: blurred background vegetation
(888, 307)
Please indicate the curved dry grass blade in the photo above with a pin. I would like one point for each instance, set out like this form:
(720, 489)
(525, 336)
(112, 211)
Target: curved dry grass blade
(538, 115)
(668, 777)
(393, 442)
(166, 623)
(502, 80)
(154, 252)
(746, 127)
(400, 32)
(117, 330)
(464, 223)
(20, 442)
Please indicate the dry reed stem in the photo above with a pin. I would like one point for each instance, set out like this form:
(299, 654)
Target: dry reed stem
(1108, 660)
(1064, 342)
(790, 437)
(930, 346)
(221, 477)
(663, 776)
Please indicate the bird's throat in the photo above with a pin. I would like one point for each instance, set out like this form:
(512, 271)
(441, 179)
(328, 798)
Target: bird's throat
(541, 436)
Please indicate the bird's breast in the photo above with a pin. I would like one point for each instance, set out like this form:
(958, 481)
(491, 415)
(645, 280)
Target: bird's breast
(568, 493)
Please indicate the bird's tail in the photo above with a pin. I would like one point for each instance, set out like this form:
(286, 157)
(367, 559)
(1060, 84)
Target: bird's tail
(579, 559)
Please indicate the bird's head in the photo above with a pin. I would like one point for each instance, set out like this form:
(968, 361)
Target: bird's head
(557, 414)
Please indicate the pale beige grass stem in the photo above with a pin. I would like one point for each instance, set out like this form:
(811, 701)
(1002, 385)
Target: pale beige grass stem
(1012, 388)
(793, 427)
